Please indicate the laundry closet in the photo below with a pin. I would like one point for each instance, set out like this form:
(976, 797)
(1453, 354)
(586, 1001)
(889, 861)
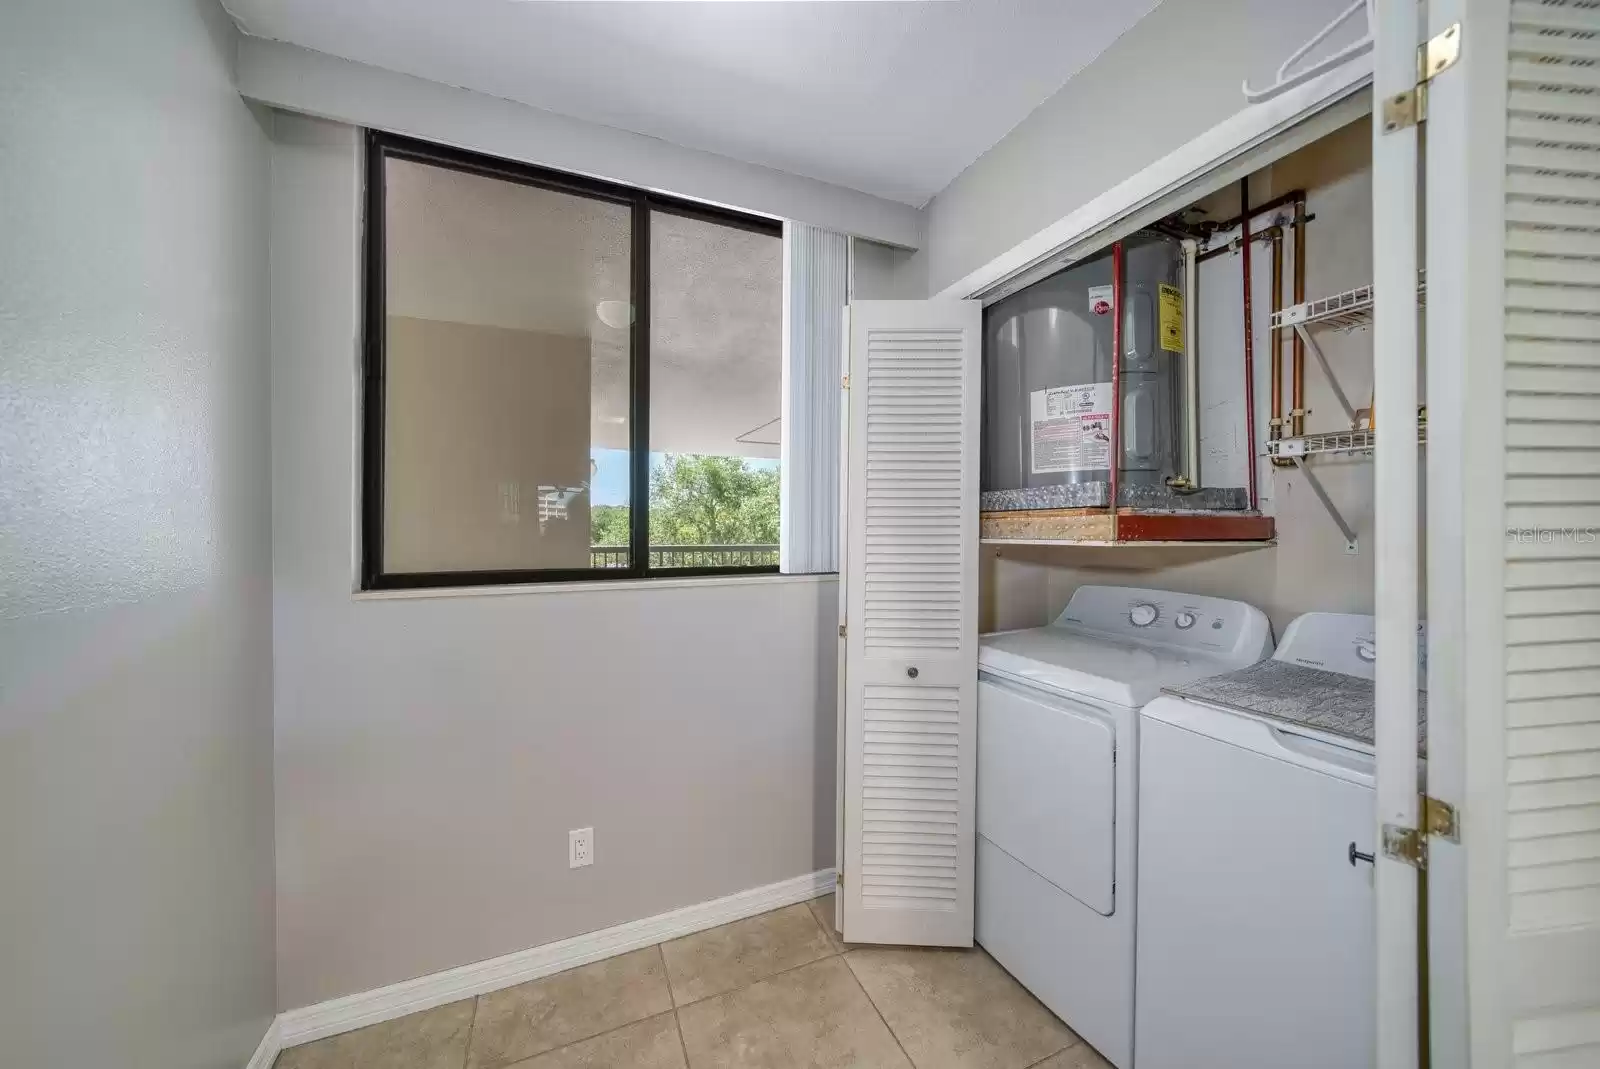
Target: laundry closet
(1265, 387)
(1110, 876)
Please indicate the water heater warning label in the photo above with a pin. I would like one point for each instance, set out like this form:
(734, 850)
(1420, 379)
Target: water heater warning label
(1171, 319)
(1071, 428)
(1100, 299)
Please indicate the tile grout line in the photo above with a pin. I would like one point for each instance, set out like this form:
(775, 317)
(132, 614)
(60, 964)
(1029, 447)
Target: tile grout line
(672, 996)
(514, 1064)
(586, 1039)
(677, 1022)
(466, 1054)
(889, 1027)
(762, 979)
(833, 952)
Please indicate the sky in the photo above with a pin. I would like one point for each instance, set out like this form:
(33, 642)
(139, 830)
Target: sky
(609, 485)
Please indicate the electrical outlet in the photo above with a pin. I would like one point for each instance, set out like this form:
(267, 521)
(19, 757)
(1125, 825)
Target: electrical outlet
(580, 847)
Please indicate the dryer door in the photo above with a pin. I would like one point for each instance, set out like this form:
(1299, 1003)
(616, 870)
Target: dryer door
(1047, 787)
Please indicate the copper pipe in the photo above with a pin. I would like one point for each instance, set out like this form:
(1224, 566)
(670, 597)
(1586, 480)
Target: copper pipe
(1296, 195)
(1275, 428)
(1249, 340)
(1297, 406)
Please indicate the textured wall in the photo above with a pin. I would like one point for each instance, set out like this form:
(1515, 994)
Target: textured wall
(432, 752)
(1170, 78)
(136, 917)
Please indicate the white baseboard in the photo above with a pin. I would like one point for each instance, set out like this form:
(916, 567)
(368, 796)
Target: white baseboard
(267, 1050)
(425, 992)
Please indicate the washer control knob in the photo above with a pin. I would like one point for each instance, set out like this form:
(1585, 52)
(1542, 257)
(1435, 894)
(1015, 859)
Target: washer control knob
(1143, 614)
(1184, 620)
(1366, 650)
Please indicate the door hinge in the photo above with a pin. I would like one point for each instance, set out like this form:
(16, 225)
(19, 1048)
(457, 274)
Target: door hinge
(1407, 109)
(844, 383)
(841, 631)
(839, 878)
(1405, 844)
(1439, 819)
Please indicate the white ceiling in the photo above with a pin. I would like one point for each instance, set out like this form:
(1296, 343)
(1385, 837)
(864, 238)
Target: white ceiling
(890, 97)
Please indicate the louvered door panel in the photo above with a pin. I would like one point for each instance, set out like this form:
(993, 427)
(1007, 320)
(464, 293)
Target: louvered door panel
(914, 411)
(1514, 156)
(1552, 481)
(911, 795)
(911, 626)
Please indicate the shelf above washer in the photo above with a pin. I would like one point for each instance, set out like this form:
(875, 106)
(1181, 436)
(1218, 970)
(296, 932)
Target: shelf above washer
(1125, 556)
(1333, 443)
(1345, 311)
(1300, 450)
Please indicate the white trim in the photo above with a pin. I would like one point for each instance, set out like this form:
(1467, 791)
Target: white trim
(675, 583)
(1464, 230)
(1228, 140)
(268, 1049)
(314, 83)
(425, 992)
(1395, 480)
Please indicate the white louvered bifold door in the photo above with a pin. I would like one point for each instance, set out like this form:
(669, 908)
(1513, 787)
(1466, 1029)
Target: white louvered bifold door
(911, 623)
(1513, 325)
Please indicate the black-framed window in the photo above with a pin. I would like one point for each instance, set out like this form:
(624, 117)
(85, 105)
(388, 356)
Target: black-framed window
(565, 379)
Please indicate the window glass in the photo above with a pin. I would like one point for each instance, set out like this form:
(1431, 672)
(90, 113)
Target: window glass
(716, 387)
(506, 374)
(521, 325)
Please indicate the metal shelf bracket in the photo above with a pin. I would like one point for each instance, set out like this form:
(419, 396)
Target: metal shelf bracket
(1351, 545)
(1327, 371)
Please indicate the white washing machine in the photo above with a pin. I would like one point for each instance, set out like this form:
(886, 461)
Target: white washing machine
(1256, 829)
(1058, 784)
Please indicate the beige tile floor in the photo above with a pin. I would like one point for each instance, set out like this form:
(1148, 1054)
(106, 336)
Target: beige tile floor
(778, 991)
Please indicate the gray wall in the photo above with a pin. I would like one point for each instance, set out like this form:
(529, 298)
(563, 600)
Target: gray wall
(136, 905)
(1173, 76)
(884, 273)
(432, 752)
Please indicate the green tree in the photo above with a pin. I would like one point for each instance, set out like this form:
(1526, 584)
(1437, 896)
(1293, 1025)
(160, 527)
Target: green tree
(699, 501)
(707, 500)
(608, 525)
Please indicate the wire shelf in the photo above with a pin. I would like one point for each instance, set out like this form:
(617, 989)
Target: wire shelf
(1345, 311)
(1332, 443)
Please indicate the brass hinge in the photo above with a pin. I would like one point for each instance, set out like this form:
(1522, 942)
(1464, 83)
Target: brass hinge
(1407, 109)
(839, 879)
(1405, 844)
(844, 383)
(1439, 819)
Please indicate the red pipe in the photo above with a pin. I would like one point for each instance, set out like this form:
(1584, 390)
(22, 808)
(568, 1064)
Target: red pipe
(1114, 454)
(1249, 342)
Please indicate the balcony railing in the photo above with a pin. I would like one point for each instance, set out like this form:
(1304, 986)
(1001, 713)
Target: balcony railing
(689, 556)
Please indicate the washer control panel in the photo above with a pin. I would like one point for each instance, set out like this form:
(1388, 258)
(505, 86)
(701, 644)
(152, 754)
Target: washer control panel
(1188, 621)
(1341, 642)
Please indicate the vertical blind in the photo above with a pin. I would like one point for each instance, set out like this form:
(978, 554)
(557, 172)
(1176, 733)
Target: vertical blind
(815, 285)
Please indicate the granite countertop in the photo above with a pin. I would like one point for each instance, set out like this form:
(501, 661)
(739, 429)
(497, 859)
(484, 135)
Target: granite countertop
(1331, 702)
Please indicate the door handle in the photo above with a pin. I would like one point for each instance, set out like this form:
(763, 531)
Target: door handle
(1356, 855)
